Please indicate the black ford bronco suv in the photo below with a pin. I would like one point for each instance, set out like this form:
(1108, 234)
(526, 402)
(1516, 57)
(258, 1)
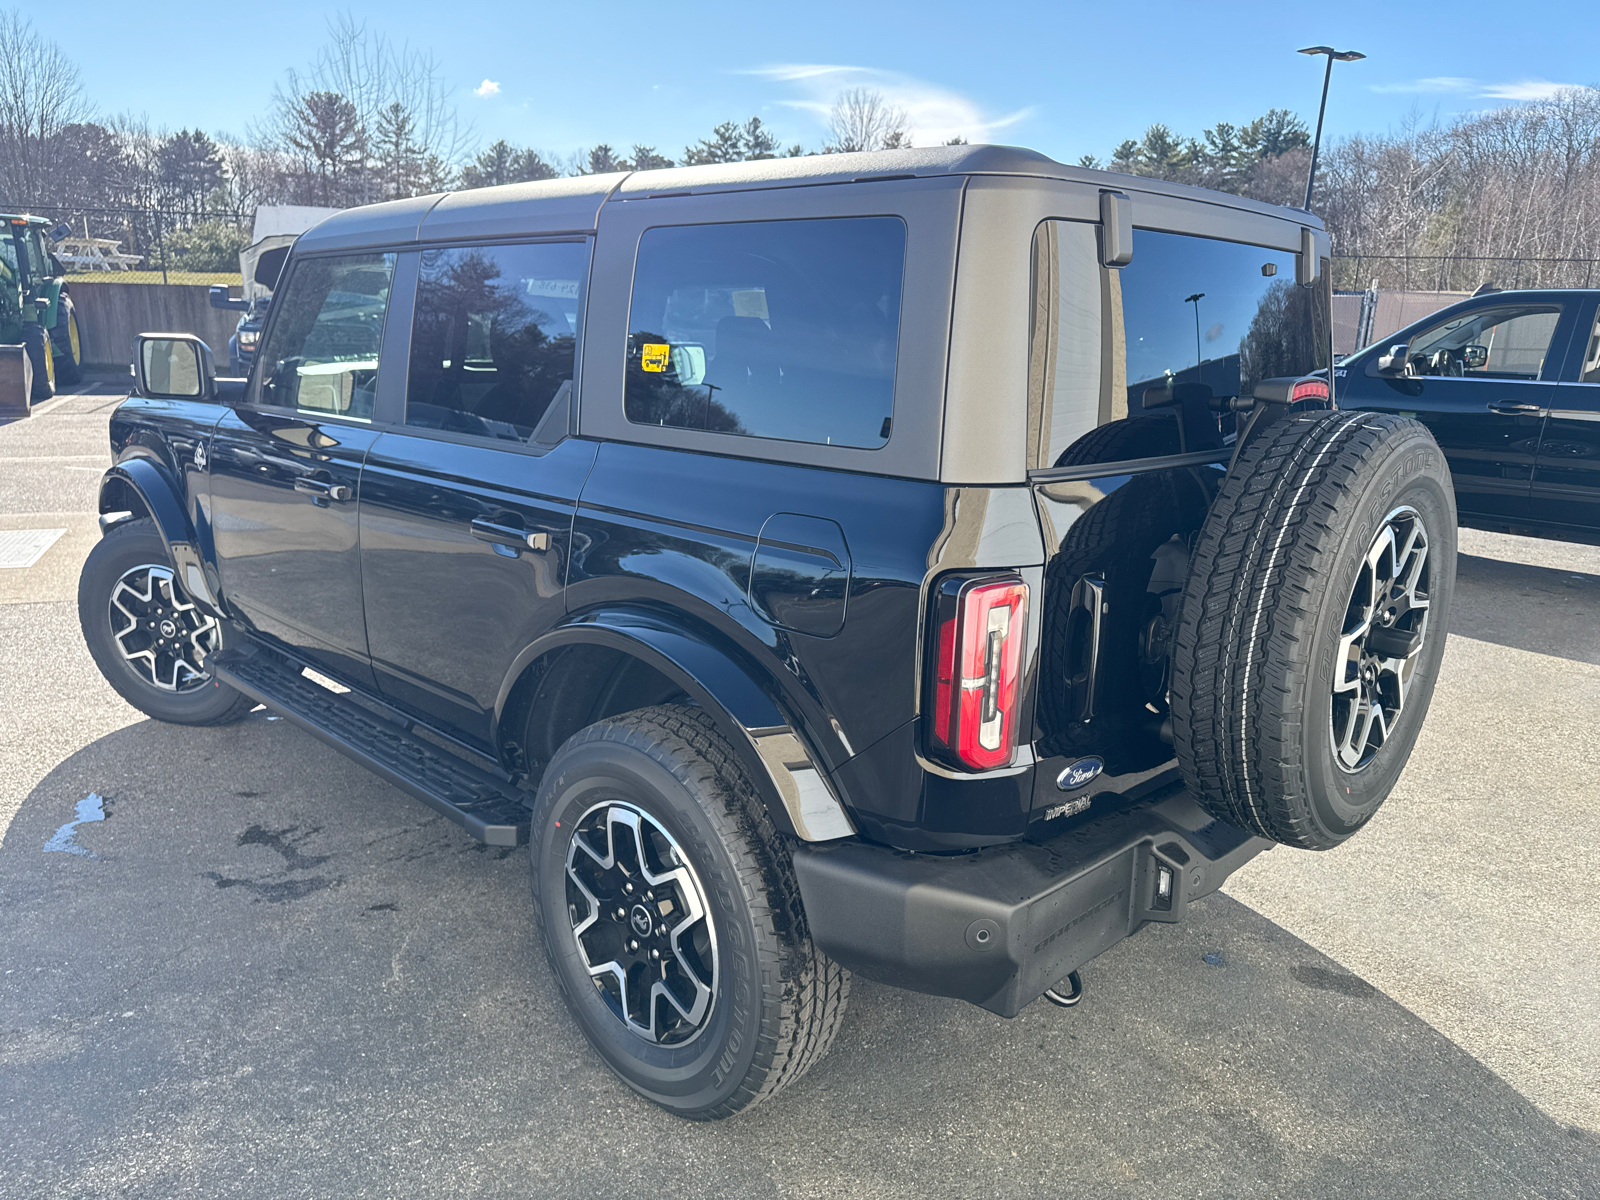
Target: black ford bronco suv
(934, 564)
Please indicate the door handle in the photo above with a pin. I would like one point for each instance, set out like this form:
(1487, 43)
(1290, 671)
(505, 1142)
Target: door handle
(514, 536)
(1514, 408)
(322, 489)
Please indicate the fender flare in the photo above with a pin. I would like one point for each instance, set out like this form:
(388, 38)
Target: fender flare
(158, 491)
(798, 793)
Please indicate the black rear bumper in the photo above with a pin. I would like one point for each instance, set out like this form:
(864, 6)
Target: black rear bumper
(997, 927)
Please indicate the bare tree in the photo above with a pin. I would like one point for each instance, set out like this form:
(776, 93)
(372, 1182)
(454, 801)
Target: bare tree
(863, 120)
(404, 116)
(41, 94)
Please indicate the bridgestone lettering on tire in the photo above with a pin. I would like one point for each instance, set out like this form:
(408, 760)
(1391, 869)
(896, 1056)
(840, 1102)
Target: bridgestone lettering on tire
(1313, 625)
(671, 917)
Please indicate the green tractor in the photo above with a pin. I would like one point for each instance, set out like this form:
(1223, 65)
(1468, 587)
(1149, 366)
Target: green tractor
(35, 309)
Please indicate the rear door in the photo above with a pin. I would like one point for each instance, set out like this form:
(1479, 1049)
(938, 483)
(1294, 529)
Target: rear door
(1566, 480)
(466, 509)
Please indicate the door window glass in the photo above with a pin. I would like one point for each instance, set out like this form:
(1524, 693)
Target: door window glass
(1141, 361)
(494, 337)
(775, 329)
(322, 352)
(1496, 343)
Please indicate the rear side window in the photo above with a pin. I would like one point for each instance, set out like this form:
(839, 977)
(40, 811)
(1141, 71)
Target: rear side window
(322, 352)
(1141, 361)
(494, 337)
(773, 329)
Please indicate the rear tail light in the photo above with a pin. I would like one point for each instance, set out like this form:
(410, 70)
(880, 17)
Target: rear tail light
(977, 640)
(1309, 389)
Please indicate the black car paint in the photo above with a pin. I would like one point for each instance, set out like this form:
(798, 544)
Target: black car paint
(1533, 469)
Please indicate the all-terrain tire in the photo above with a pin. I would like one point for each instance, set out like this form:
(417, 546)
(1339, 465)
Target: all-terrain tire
(37, 344)
(1270, 655)
(777, 1000)
(127, 550)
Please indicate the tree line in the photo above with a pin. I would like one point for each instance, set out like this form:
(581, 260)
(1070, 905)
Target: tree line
(367, 120)
(1506, 197)
(1444, 205)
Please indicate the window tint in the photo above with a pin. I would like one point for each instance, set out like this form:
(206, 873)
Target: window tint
(1497, 343)
(322, 353)
(494, 337)
(1140, 361)
(776, 329)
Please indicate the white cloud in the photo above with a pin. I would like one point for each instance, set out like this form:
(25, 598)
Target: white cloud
(935, 114)
(1524, 89)
(1521, 89)
(1438, 83)
(487, 88)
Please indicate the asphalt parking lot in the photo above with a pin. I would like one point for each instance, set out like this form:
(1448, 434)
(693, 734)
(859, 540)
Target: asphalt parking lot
(272, 975)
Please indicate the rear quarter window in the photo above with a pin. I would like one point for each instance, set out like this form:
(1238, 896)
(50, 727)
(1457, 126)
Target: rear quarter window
(1199, 319)
(772, 329)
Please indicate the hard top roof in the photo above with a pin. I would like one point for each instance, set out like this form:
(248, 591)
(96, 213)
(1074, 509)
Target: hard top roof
(573, 204)
(25, 218)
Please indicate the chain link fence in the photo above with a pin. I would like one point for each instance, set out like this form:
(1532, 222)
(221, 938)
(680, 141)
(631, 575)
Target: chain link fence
(134, 245)
(1459, 273)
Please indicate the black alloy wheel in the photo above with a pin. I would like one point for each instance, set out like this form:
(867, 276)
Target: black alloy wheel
(641, 922)
(1385, 628)
(161, 635)
(671, 918)
(148, 637)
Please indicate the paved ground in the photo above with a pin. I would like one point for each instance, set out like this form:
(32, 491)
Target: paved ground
(278, 977)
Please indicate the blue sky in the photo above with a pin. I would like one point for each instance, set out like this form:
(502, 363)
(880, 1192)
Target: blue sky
(1066, 79)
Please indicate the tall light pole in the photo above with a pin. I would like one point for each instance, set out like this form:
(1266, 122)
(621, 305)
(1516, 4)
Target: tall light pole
(1316, 144)
(1195, 300)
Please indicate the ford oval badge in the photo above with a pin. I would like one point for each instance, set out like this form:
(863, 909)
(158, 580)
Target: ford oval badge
(1079, 774)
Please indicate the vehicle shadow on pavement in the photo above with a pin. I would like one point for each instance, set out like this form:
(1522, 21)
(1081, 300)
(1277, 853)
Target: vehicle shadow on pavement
(1542, 609)
(270, 974)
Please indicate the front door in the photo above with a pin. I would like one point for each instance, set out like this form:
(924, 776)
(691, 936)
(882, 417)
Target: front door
(1566, 482)
(286, 465)
(466, 513)
(1480, 381)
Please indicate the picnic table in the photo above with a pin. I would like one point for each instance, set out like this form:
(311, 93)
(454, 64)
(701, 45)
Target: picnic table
(95, 254)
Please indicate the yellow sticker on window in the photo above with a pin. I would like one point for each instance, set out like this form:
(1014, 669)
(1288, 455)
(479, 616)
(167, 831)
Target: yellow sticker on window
(655, 356)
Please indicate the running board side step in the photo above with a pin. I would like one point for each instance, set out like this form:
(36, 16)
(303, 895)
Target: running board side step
(491, 810)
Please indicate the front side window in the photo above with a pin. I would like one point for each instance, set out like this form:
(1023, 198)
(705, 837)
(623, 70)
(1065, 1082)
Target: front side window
(321, 355)
(1496, 343)
(1142, 360)
(773, 329)
(494, 337)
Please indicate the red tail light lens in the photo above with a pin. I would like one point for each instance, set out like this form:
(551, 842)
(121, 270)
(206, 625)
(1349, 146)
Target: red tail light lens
(979, 627)
(1309, 389)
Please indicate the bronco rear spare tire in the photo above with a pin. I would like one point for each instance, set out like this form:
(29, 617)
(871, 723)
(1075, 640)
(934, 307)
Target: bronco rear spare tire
(1313, 624)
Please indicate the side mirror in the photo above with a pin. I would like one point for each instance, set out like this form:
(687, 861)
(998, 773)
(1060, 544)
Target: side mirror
(1474, 358)
(1394, 362)
(218, 295)
(174, 366)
